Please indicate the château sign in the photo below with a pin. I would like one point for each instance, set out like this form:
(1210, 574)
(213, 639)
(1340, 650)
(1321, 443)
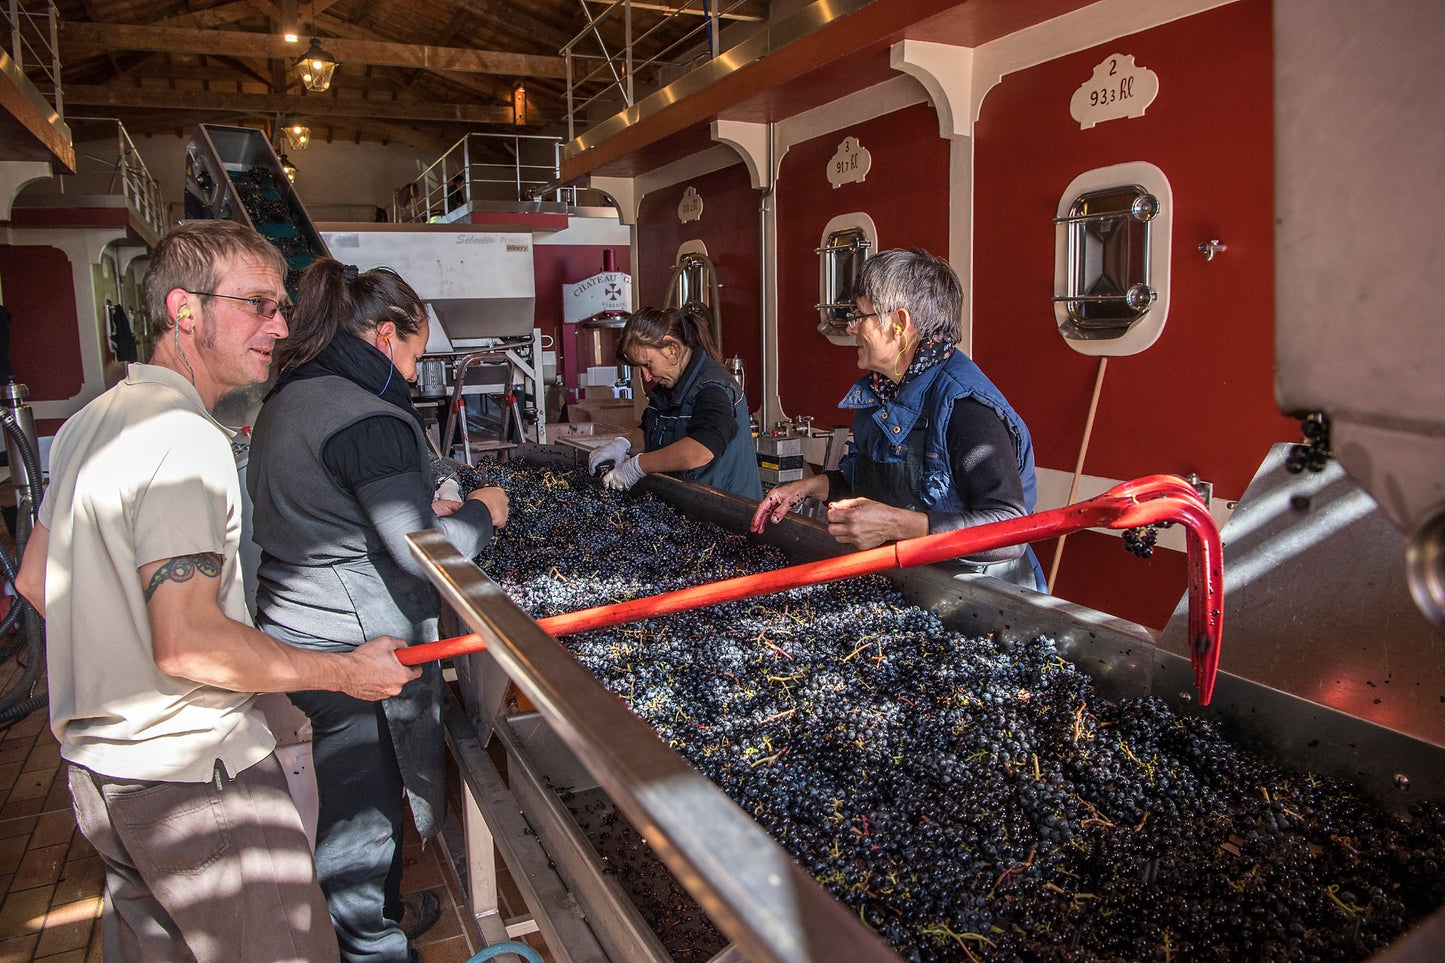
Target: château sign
(607, 293)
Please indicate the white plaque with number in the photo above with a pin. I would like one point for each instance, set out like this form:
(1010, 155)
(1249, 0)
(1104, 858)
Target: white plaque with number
(1118, 88)
(849, 163)
(690, 207)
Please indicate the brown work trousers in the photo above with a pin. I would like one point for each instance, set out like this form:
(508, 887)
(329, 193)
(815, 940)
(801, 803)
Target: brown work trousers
(212, 871)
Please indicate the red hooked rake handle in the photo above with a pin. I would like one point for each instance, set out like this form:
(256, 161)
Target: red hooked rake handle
(1144, 501)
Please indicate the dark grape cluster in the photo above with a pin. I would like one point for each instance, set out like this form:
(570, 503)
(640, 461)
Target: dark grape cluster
(1140, 541)
(275, 216)
(1315, 452)
(970, 800)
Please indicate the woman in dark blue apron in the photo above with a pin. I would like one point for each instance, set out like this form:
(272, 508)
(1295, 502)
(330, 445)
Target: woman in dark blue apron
(696, 424)
(936, 446)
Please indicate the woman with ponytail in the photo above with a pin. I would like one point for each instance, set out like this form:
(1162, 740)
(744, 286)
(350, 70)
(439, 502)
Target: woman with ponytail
(696, 424)
(339, 473)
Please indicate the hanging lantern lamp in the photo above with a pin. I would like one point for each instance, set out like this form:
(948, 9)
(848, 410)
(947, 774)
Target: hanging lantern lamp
(316, 67)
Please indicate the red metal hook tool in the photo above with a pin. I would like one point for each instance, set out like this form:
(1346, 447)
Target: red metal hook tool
(1150, 500)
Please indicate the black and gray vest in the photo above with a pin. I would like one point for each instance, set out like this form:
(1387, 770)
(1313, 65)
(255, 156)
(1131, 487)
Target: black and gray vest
(670, 409)
(325, 581)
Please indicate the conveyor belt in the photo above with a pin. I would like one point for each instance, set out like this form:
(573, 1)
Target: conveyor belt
(233, 174)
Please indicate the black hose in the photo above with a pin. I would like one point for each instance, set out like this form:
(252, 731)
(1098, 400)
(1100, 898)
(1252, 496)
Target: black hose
(31, 462)
(11, 571)
(17, 701)
(22, 709)
(32, 633)
(8, 622)
(15, 639)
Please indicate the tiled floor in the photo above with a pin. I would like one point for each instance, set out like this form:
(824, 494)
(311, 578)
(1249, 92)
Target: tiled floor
(51, 880)
(50, 877)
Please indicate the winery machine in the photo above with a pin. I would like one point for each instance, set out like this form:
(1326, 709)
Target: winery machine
(583, 739)
(479, 287)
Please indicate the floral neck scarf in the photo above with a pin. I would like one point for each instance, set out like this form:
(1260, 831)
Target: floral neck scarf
(929, 353)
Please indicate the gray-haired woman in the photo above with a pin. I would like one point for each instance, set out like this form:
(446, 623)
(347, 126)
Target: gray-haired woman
(936, 446)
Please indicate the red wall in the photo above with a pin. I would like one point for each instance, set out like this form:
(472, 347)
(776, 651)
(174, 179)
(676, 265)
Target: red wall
(44, 337)
(1099, 572)
(730, 229)
(906, 194)
(1202, 398)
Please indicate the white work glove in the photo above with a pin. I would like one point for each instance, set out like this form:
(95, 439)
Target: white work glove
(448, 491)
(625, 475)
(614, 451)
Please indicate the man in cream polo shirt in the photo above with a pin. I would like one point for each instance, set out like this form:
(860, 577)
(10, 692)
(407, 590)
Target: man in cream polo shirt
(153, 663)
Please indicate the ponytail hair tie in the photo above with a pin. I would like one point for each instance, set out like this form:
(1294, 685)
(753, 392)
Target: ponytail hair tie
(348, 273)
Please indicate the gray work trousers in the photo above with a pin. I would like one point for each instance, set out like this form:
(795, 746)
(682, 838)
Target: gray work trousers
(358, 824)
(216, 870)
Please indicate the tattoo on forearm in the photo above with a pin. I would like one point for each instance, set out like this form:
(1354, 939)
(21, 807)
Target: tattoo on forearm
(182, 568)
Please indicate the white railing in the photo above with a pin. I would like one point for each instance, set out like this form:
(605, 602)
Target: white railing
(35, 47)
(594, 72)
(117, 168)
(463, 176)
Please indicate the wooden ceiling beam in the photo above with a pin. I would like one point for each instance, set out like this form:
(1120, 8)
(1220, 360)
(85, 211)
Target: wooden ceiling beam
(496, 89)
(527, 24)
(228, 70)
(401, 134)
(254, 71)
(75, 35)
(275, 11)
(156, 122)
(159, 98)
(435, 140)
(218, 16)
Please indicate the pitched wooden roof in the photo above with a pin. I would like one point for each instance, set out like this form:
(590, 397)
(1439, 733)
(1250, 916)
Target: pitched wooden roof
(416, 73)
